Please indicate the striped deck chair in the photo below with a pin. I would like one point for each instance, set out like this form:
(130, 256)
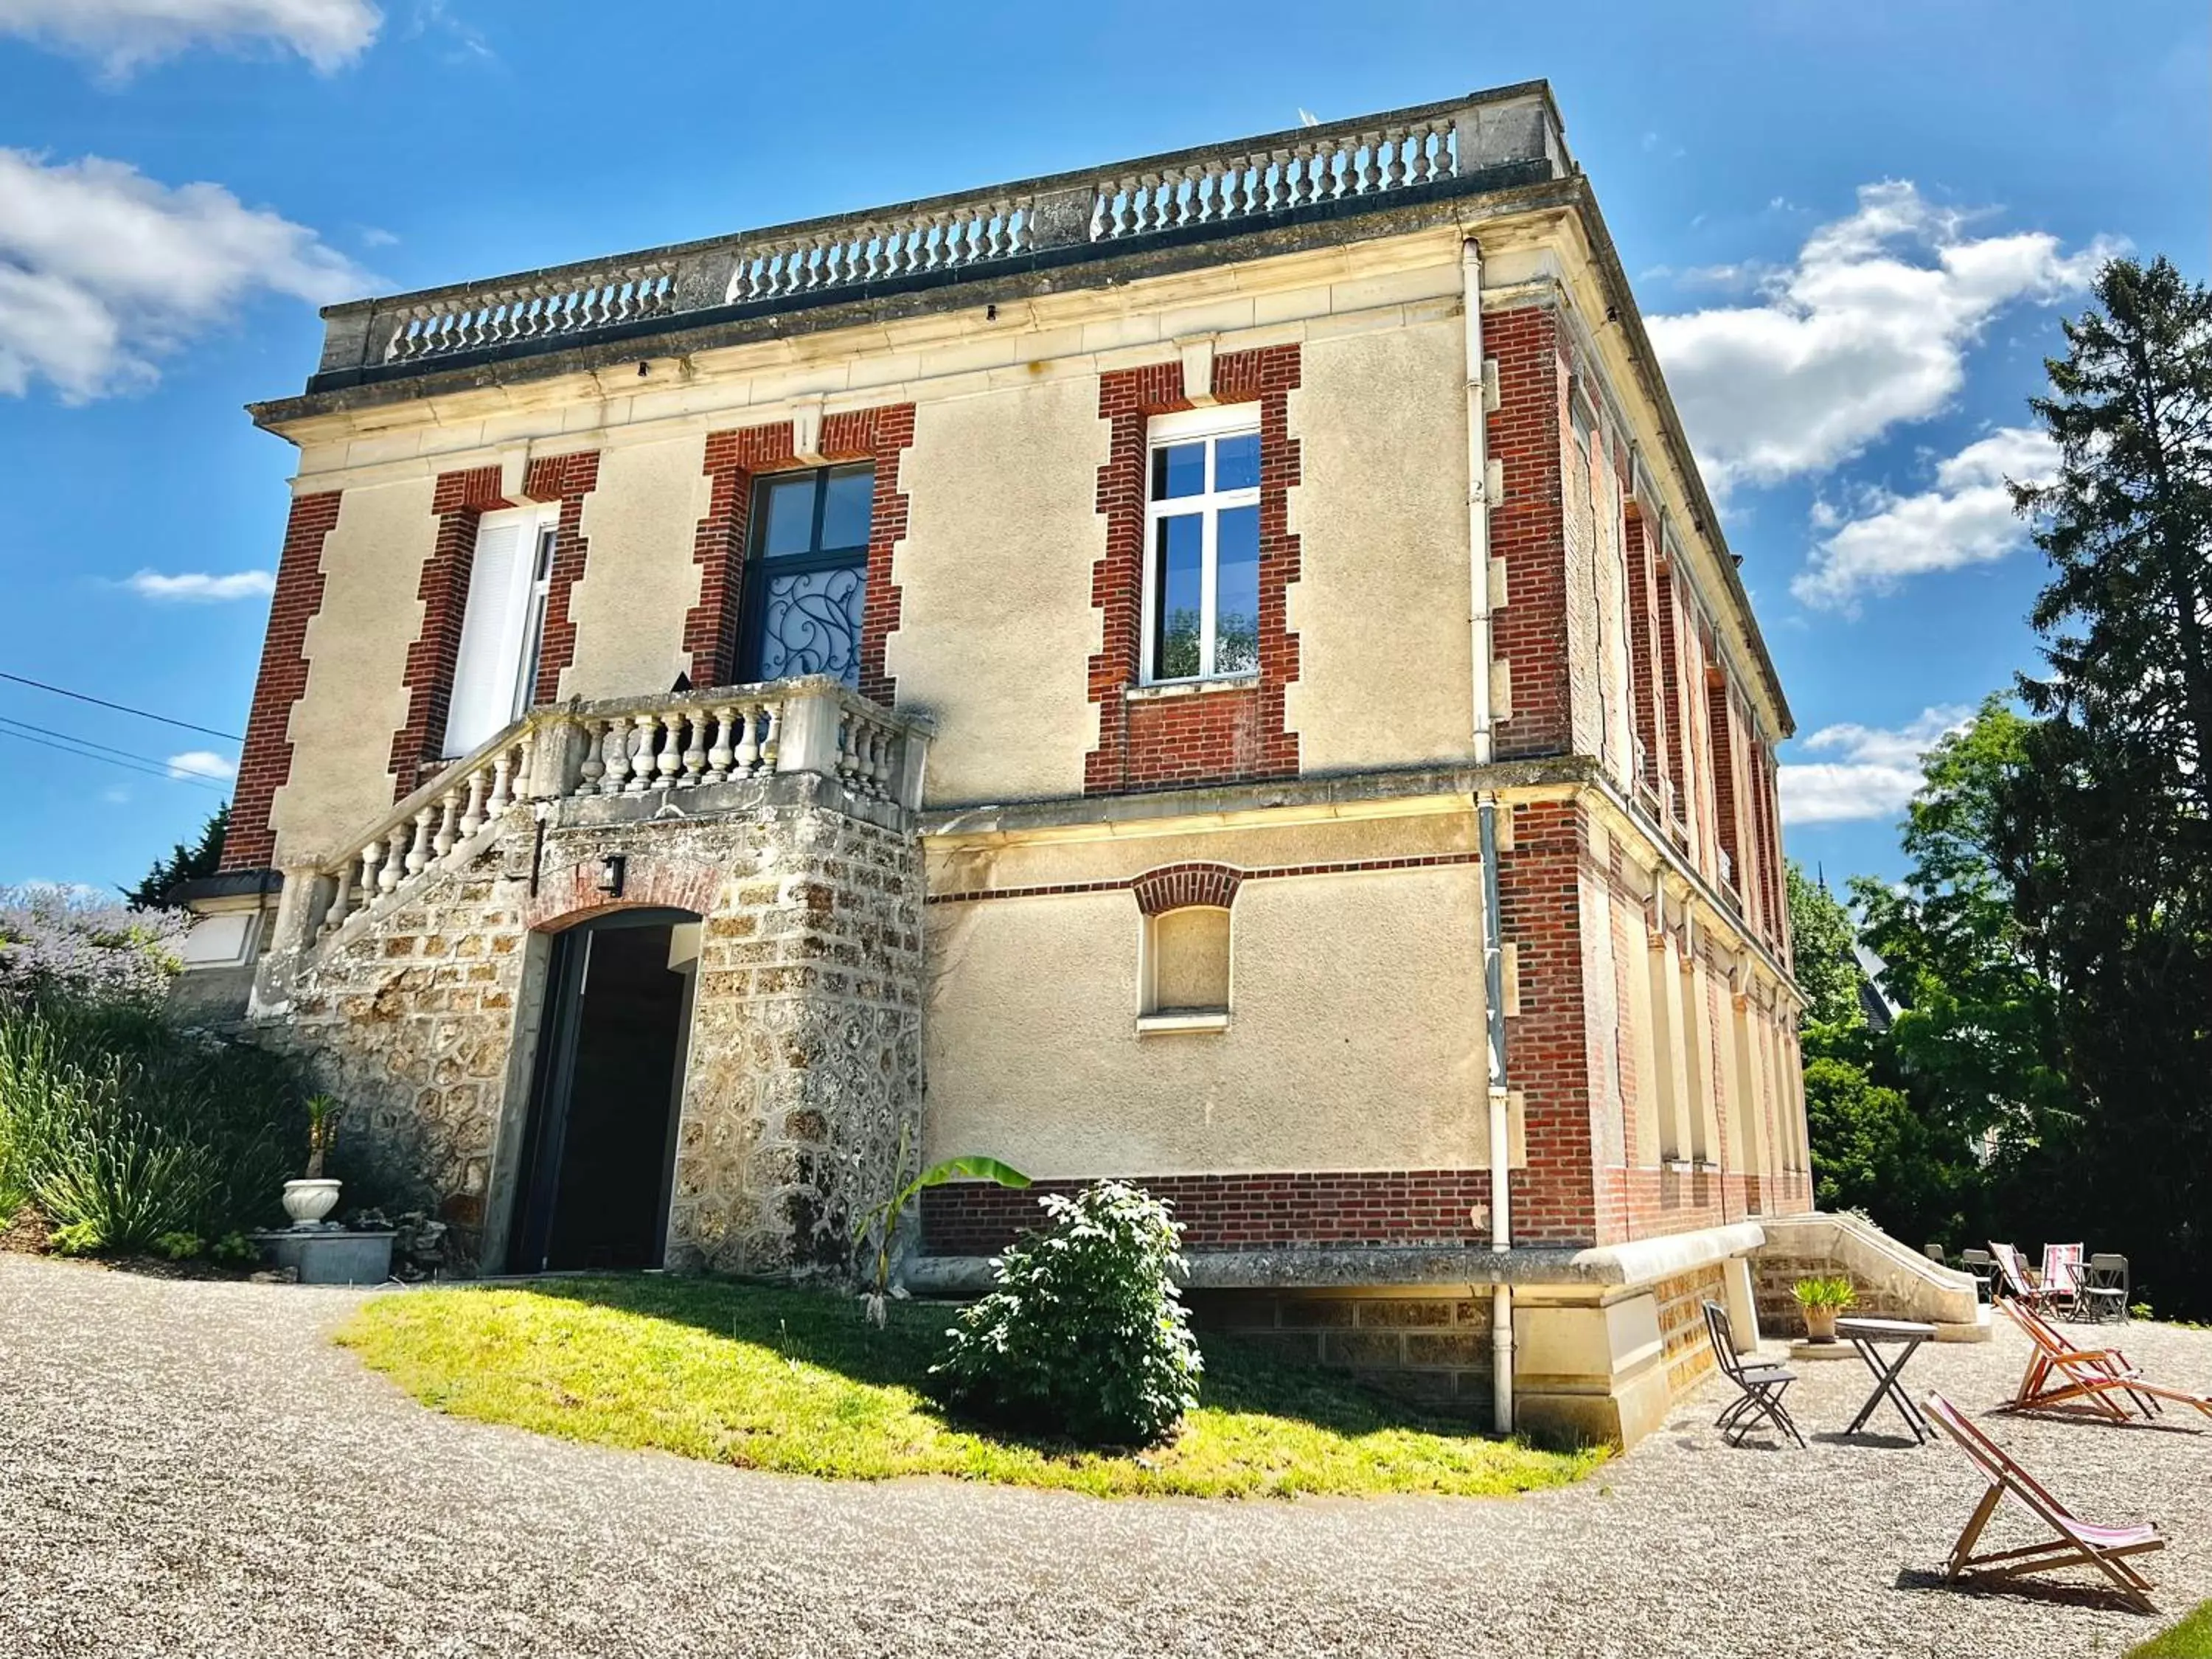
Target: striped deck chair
(2072, 1543)
(2062, 1276)
(2097, 1382)
(2016, 1278)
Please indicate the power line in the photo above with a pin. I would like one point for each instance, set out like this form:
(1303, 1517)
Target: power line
(128, 762)
(121, 708)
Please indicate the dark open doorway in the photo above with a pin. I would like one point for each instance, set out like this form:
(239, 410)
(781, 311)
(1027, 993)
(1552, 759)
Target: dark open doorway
(600, 1150)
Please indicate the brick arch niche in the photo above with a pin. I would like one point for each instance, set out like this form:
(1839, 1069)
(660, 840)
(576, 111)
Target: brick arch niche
(1175, 885)
(567, 897)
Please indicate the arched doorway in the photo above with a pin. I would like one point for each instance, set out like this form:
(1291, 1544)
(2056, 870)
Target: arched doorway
(599, 1152)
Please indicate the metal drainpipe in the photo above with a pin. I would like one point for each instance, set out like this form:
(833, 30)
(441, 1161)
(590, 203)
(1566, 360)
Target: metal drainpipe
(1486, 807)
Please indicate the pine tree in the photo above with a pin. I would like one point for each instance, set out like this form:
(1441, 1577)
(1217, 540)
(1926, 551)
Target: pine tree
(183, 863)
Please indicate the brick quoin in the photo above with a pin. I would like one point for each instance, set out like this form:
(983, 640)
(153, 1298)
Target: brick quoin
(265, 762)
(1175, 885)
(1720, 727)
(1215, 736)
(1546, 1051)
(734, 460)
(566, 479)
(1644, 672)
(1241, 1212)
(1528, 528)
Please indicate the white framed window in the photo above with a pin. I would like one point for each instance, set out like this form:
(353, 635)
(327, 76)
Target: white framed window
(502, 623)
(1202, 545)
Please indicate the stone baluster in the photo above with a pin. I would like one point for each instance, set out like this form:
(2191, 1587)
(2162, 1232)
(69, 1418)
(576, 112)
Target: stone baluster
(394, 870)
(614, 772)
(449, 815)
(502, 781)
(526, 764)
(341, 899)
(372, 864)
(644, 743)
(695, 748)
(745, 759)
(719, 753)
(418, 844)
(671, 750)
(593, 766)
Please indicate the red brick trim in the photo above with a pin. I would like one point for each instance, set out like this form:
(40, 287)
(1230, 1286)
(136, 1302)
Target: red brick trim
(734, 459)
(1720, 739)
(1224, 735)
(457, 501)
(1276, 872)
(565, 897)
(1528, 529)
(265, 762)
(567, 479)
(1230, 1211)
(1175, 885)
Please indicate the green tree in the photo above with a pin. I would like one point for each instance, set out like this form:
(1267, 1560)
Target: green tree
(203, 858)
(1821, 935)
(2108, 842)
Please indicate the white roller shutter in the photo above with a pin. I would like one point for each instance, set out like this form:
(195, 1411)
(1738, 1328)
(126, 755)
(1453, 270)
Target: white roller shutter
(491, 631)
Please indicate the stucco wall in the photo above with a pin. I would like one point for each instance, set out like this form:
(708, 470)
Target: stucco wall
(996, 627)
(356, 650)
(639, 578)
(1355, 1039)
(1380, 606)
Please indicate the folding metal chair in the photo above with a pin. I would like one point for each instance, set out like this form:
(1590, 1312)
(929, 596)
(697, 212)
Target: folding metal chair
(1762, 1386)
(2073, 1543)
(2104, 1287)
(1935, 1255)
(1983, 1266)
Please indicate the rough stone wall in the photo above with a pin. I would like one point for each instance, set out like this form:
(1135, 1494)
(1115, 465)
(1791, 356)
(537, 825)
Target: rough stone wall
(1433, 1351)
(806, 1047)
(1681, 1299)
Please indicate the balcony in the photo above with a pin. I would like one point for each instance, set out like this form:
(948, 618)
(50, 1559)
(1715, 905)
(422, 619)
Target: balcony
(694, 754)
(1044, 230)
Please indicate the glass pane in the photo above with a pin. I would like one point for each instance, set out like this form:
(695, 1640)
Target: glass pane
(845, 514)
(1177, 575)
(1178, 470)
(1236, 592)
(810, 624)
(788, 515)
(1236, 462)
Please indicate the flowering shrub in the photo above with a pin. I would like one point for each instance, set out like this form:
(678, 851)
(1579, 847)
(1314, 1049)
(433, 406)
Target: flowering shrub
(72, 942)
(1086, 1335)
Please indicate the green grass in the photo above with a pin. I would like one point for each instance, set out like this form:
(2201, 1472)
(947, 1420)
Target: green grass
(2189, 1639)
(800, 1384)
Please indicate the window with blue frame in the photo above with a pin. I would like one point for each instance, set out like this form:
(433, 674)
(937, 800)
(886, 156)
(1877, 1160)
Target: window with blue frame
(807, 573)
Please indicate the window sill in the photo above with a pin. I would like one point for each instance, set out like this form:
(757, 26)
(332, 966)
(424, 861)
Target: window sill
(1172, 1024)
(1191, 688)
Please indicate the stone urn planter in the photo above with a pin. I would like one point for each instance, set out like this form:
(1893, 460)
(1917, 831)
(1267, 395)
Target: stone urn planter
(308, 1201)
(1820, 1323)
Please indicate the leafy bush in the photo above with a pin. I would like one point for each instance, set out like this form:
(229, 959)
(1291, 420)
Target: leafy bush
(179, 1247)
(64, 942)
(1826, 1291)
(1086, 1335)
(119, 1129)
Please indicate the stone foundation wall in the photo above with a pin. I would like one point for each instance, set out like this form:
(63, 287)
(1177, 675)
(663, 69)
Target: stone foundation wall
(1681, 1299)
(805, 1050)
(1430, 1351)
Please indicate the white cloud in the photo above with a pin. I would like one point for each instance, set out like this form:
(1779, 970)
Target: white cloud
(203, 763)
(1867, 328)
(124, 35)
(1967, 518)
(199, 587)
(1875, 772)
(104, 270)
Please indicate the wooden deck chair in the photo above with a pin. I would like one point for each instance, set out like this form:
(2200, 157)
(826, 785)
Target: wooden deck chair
(1761, 1386)
(2074, 1544)
(2013, 1274)
(2061, 1278)
(2098, 1381)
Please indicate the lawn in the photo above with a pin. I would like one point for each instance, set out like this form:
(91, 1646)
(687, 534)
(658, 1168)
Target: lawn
(800, 1384)
(2189, 1639)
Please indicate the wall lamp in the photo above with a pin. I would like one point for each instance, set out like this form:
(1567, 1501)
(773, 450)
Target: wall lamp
(612, 868)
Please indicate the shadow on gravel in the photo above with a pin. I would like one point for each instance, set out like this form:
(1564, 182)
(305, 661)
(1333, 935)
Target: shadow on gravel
(2045, 1591)
(829, 1330)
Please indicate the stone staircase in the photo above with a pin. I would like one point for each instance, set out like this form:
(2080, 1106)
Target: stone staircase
(1893, 1281)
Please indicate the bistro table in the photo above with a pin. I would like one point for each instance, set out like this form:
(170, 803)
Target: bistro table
(1869, 1336)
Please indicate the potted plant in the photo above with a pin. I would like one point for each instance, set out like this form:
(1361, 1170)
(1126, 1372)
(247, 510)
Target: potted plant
(309, 1200)
(1822, 1298)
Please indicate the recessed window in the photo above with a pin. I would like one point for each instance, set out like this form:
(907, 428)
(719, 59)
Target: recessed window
(1202, 546)
(502, 623)
(1186, 962)
(806, 579)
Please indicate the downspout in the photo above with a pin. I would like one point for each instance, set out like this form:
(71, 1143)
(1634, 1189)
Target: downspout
(1486, 809)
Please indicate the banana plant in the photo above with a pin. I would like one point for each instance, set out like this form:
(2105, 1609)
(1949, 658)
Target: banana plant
(884, 1216)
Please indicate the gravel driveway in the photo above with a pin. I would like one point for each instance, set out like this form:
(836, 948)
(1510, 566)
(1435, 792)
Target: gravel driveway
(191, 1468)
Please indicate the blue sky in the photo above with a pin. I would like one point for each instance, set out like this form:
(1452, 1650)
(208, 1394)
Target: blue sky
(1853, 228)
